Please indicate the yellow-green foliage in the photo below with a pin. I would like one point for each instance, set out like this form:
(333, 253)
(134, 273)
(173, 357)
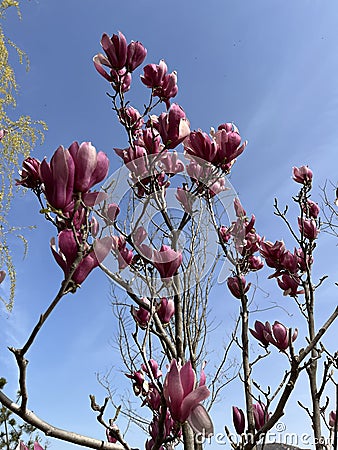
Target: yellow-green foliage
(22, 135)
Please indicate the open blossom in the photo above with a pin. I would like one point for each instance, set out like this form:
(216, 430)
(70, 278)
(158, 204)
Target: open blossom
(278, 335)
(238, 420)
(183, 397)
(220, 150)
(71, 170)
(91, 167)
(273, 253)
(167, 261)
(68, 250)
(120, 59)
(170, 163)
(290, 284)
(302, 175)
(163, 85)
(140, 384)
(173, 126)
(30, 173)
(259, 332)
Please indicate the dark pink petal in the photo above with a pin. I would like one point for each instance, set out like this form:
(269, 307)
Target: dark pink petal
(173, 391)
(188, 378)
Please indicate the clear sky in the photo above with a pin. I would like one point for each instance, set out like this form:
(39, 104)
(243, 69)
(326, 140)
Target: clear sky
(270, 66)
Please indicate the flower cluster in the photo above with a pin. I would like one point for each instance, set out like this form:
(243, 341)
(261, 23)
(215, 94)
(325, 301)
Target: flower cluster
(246, 243)
(220, 149)
(277, 334)
(288, 266)
(121, 59)
(66, 184)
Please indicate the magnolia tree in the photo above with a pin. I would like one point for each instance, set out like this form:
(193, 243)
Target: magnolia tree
(162, 228)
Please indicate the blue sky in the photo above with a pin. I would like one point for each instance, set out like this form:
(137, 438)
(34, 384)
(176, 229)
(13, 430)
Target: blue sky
(269, 66)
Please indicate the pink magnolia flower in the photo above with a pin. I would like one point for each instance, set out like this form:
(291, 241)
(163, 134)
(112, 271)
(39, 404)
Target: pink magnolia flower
(173, 126)
(30, 174)
(261, 415)
(183, 397)
(68, 250)
(142, 315)
(200, 145)
(228, 142)
(131, 117)
(302, 175)
(255, 263)
(138, 236)
(136, 54)
(2, 276)
(153, 399)
(58, 178)
(238, 420)
(170, 163)
(166, 310)
(224, 233)
(153, 367)
(278, 335)
(154, 75)
(239, 210)
(311, 209)
(308, 228)
(111, 433)
(140, 384)
(289, 262)
(22, 446)
(186, 199)
(332, 419)
(166, 261)
(237, 286)
(124, 255)
(150, 140)
(259, 332)
(113, 210)
(272, 253)
(289, 284)
(90, 167)
(115, 49)
(163, 85)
